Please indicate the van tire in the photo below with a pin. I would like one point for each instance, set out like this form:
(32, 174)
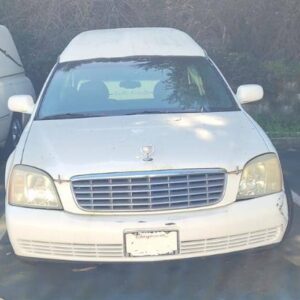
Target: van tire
(14, 134)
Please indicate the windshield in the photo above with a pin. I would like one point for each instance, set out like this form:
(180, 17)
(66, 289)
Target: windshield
(135, 86)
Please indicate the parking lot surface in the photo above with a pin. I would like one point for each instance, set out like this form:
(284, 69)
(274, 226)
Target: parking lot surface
(268, 274)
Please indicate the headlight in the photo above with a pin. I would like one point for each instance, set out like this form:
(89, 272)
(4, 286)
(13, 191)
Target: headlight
(262, 176)
(30, 187)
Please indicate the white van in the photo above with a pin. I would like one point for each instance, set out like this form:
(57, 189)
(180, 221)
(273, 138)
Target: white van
(12, 81)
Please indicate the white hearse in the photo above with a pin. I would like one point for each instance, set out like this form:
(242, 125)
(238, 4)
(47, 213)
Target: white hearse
(12, 82)
(138, 150)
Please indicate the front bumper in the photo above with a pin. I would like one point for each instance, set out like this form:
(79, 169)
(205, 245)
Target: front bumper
(60, 235)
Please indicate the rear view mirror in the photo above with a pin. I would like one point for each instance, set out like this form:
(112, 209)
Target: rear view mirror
(130, 84)
(22, 104)
(250, 93)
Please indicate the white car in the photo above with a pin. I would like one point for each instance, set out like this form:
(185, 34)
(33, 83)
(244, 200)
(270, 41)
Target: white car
(13, 81)
(138, 150)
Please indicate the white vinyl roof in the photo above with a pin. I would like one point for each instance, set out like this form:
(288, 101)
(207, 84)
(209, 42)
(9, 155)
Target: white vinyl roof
(127, 42)
(7, 66)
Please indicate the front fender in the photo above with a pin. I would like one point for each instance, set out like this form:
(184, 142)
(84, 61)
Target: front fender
(9, 167)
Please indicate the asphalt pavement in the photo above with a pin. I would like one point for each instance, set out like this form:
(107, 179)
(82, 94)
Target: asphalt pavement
(269, 274)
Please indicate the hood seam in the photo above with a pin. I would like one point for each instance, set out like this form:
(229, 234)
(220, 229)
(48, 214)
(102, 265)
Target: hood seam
(257, 130)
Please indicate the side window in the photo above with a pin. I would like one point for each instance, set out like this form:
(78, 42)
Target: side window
(216, 92)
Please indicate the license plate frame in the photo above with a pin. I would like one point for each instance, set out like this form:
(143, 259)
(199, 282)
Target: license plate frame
(149, 236)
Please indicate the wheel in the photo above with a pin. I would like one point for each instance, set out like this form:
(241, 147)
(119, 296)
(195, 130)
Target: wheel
(14, 135)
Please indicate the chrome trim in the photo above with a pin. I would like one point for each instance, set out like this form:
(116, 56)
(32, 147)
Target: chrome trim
(152, 173)
(121, 207)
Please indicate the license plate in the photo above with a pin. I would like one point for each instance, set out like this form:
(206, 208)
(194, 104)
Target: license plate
(151, 243)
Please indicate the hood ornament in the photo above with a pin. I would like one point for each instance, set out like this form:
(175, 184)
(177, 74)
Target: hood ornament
(147, 152)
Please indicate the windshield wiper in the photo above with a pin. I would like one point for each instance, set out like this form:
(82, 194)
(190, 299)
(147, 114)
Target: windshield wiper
(93, 115)
(203, 109)
(70, 116)
(148, 112)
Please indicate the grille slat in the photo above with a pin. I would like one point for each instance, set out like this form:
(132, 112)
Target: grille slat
(155, 190)
(79, 185)
(95, 191)
(152, 197)
(71, 250)
(229, 242)
(140, 204)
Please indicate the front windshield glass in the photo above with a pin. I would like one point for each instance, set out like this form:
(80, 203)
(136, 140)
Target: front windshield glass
(135, 86)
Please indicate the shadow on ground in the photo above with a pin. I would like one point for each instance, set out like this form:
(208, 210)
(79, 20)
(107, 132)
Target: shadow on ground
(261, 275)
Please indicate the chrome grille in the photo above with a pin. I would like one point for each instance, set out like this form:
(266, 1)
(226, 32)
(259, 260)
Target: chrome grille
(155, 190)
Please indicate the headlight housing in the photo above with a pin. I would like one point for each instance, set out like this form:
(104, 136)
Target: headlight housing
(30, 187)
(261, 176)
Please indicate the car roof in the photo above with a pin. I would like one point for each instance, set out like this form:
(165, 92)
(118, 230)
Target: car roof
(129, 42)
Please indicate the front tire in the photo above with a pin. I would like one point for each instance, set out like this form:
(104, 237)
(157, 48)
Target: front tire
(14, 135)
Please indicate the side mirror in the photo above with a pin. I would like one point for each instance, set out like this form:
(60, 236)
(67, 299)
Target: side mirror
(22, 104)
(250, 93)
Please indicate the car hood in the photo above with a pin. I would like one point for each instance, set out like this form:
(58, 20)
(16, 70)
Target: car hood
(65, 148)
